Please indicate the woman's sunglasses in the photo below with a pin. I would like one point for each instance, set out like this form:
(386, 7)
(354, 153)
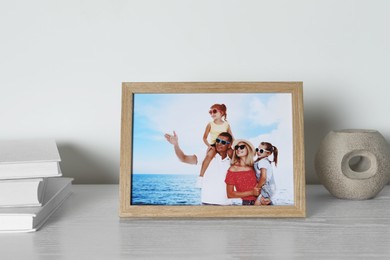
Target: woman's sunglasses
(223, 142)
(213, 111)
(261, 150)
(241, 147)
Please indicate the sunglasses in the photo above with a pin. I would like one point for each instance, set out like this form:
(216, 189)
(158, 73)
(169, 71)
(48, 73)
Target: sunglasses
(241, 147)
(213, 111)
(223, 142)
(261, 150)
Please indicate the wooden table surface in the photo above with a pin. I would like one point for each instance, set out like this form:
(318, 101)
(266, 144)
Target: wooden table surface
(88, 226)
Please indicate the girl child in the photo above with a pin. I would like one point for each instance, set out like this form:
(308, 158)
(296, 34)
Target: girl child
(213, 129)
(241, 178)
(264, 172)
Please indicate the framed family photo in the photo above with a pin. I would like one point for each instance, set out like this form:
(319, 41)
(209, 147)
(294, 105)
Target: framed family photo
(212, 149)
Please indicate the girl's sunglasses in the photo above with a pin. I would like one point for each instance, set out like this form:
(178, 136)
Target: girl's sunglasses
(223, 142)
(213, 111)
(261, 150)
(241, 147)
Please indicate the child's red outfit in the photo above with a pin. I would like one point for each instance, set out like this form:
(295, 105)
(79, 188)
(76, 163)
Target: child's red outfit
(243, 181)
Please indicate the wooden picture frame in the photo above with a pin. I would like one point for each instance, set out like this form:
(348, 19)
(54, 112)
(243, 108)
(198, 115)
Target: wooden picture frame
(144, 102)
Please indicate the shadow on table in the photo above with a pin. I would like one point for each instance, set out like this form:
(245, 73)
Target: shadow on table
(86, 166)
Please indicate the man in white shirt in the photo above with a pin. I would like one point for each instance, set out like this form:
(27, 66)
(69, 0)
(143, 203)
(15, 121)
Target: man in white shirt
(214, 186)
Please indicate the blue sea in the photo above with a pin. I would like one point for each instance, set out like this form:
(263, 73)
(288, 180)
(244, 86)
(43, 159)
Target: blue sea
(164, 189)
(174, 189)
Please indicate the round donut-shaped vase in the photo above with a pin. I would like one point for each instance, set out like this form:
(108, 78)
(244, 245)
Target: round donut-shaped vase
(353, 163)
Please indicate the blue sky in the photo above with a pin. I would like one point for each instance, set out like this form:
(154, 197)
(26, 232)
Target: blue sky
(256, 117)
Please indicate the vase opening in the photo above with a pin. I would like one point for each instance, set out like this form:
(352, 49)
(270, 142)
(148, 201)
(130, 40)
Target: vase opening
(359, 163)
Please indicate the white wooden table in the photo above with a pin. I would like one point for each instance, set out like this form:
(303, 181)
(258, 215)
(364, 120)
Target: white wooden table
(88, 226)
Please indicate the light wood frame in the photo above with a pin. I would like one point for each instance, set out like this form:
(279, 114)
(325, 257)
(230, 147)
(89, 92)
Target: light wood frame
(128, 210)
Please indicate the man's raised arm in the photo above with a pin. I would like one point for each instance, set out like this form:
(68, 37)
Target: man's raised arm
(174, 140)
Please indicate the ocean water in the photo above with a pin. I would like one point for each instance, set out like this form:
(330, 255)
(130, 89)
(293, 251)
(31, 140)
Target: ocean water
(174, 189)
(164, 189)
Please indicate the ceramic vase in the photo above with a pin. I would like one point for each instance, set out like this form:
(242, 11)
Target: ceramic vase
(353, 164)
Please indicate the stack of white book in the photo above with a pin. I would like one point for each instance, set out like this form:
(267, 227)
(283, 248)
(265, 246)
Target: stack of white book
(31, 186)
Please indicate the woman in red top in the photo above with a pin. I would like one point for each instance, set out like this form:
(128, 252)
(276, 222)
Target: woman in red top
(241, 178)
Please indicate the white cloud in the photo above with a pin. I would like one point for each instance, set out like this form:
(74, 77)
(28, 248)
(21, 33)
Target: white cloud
(188, 115)
(275, 110)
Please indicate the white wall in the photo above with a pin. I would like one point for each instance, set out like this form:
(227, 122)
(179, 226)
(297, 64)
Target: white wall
(62, 64)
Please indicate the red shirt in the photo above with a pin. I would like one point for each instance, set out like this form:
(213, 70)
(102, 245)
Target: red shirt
(243, 181)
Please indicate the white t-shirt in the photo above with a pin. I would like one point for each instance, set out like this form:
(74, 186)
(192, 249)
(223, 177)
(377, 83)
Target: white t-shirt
(214, 186)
